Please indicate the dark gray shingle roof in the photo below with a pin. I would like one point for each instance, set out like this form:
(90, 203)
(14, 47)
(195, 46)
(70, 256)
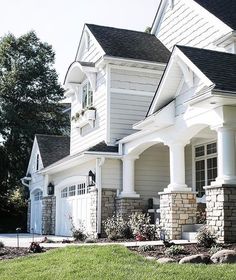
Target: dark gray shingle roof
(53, 148)
(219, 67)
(103, 147)
(129, 44)
(225, 10)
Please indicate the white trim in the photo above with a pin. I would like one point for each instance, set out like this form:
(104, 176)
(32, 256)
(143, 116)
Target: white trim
(161, 11)
(138, 69)
(131, 92)
(108, 104)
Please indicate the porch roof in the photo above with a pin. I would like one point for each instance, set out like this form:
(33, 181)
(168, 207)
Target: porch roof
(219, 67)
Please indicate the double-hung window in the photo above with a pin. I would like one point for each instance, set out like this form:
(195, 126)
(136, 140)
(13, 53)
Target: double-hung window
(87, 96)
(205, 166)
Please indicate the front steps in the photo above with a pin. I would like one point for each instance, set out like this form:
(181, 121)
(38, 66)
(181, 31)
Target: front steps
(189, 232)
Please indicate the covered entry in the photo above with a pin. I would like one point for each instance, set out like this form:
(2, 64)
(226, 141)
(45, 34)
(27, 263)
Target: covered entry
(36, 212)
(72, 205)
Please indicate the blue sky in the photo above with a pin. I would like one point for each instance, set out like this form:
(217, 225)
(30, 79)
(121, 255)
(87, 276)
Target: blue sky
(60, 22)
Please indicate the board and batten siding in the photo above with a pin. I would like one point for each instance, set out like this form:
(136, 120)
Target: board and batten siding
(131, 93)
(185, 25)
(112, 174)
(90, 136)
(152, 172)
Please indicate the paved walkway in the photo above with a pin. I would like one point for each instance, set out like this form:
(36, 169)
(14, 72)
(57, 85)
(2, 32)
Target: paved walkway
(25, 239)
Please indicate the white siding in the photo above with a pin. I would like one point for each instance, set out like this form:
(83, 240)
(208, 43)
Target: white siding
(130, 97)
(152, 172)
(89, 136)
(112, 174)
(185, 25)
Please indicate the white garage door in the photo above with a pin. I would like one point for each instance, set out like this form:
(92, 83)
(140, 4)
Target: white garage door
(73, 206)
(36, 212)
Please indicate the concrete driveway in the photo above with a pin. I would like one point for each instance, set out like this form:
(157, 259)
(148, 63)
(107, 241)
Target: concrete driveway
(25, 239)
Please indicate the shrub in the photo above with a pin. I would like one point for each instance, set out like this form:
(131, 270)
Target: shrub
(214, 249)
(146, 248)
(141, 227)
(78, 233)
(35, 248)
(117, 227)
(205, 237)
(1, 245)
(201, 217)
(174, 250)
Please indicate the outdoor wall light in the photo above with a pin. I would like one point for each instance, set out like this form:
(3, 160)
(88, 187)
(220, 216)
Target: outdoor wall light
(92, 178)
(50, 189)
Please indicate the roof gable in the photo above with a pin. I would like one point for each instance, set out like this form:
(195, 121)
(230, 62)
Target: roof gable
(223, 9)
(52, 148)
(131, 44)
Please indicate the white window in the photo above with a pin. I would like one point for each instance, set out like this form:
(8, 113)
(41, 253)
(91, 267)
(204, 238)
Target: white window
(64, 193)
(38, 196)
(205, 166)
(87, 96)
(72, 191)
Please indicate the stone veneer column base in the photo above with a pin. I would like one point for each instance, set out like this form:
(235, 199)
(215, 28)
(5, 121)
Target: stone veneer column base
(221, 211)
(177, 209)
(127, 206)
(93, 211)
(28, 215)
(48, 214)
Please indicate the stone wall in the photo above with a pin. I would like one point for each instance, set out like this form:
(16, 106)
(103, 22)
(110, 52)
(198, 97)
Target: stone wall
(221, 211)
(48, 214)
(177, 209)
(28, 215)
(127, 206)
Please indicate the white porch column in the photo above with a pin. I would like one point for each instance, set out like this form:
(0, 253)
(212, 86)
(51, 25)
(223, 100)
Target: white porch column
(226, 156)
(177, 167)
(128, 177)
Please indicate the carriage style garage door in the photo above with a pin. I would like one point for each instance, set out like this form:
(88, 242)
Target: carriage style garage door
(36, 212)
(73, 206)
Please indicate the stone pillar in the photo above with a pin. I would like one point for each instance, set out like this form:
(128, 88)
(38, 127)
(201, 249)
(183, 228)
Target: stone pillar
(93, 211)
(178, 203)
(177, 209)
(221, 212)
(28, 215)
(226, 156)
(48, 214)
(127, 206)
(128, 177)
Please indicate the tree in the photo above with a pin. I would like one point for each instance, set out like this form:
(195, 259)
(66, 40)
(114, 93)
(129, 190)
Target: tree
(29, 101)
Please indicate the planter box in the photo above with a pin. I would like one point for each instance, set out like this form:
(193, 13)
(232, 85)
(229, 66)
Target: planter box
(88, 117)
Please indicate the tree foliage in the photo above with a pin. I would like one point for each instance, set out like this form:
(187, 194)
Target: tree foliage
(29, 103)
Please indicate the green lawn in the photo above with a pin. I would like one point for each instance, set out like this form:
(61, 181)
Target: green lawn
(105, 262)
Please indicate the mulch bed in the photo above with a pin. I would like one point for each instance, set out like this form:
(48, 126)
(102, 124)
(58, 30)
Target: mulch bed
(190, 249)
(12, 252)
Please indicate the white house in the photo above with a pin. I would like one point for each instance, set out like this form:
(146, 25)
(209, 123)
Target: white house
(152, 117)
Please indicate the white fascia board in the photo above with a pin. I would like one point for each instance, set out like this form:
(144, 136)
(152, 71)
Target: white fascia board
(161, 119)
(103, 154)
(225, 40)
(113, 59)
(133, 136)
(160, 13)
(208, 15)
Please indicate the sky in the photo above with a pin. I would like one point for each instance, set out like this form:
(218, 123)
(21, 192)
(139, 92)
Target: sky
(60, 22)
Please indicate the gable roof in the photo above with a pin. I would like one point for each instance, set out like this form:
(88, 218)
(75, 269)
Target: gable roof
(125, 43)
(52, 148)
(219, 67)
(103, 147)
(225, 10)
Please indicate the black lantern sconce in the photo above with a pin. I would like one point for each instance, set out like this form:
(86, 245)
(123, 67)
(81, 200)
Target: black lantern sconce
(50, 189)
(91, 178)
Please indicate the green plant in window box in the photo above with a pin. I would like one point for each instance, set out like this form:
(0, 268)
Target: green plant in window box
(81, 113)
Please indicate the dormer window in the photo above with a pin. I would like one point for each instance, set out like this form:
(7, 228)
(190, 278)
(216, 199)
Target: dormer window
(87, 96)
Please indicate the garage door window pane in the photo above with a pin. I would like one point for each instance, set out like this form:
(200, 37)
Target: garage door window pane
(64, 193)
(81, 189)
(38, 196)
(72, 191)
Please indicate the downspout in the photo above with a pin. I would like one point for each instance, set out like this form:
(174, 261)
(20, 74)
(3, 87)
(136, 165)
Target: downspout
(99, 164)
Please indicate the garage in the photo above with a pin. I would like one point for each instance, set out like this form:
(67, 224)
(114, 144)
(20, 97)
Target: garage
(73, 206)
(36, 212)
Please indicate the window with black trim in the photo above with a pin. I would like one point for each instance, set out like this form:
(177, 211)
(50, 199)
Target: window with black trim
(205, 166)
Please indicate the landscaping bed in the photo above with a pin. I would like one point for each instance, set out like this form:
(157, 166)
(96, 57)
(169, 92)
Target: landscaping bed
(158, 252)
(11, 253)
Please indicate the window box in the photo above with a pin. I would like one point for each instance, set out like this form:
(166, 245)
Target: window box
(86, 117)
